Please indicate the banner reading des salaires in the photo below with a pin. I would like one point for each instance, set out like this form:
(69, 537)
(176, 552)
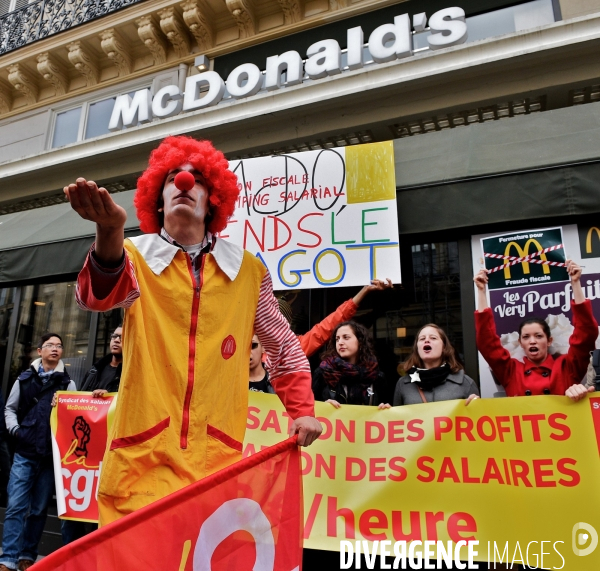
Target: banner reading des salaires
(514, 474)
(320, 218)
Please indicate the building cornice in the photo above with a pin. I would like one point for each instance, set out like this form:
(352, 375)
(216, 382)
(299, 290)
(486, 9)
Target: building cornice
(158, 35)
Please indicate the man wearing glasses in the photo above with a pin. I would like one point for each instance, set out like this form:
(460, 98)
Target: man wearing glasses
(31, 482)
(105, 375)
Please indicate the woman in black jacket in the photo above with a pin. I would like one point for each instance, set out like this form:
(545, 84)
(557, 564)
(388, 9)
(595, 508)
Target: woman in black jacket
(348, 373)
(433, 371)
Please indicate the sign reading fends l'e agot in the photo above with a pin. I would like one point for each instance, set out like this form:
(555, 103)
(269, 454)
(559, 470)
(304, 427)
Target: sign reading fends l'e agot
(324, 58)
(320, 218)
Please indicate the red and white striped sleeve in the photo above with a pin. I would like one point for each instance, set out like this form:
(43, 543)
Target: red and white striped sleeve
(289, 371)
(101, 289)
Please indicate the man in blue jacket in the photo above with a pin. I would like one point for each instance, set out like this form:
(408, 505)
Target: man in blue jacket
(31, 482)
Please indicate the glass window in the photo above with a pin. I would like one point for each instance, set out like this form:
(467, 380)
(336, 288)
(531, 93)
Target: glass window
(430, 293)
(66, 128)
(7, 297)
(500, 22)
(108, 321)
(98, 118)
(4, 7)
(51, 308)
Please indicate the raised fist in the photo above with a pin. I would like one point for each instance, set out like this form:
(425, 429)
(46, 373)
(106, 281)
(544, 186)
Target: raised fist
(82, 431)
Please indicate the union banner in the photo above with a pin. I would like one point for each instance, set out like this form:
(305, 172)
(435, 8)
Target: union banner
(80, 426)
(250, 512)
(518, 475)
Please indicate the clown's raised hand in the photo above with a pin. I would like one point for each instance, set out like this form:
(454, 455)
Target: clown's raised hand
(96, 204)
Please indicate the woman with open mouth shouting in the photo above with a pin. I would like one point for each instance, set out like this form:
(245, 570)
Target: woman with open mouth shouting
(434, 373)
(349, 372)
(539, 373)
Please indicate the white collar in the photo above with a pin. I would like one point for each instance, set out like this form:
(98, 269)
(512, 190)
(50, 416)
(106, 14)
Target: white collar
(159, 253)
(60, 367)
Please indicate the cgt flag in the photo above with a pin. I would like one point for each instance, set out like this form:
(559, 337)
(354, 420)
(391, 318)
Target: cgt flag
(247, 516)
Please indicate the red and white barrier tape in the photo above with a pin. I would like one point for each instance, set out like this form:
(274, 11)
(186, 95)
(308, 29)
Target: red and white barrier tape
(529, 259)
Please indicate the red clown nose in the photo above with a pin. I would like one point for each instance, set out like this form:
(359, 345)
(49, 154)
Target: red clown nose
(184, 180)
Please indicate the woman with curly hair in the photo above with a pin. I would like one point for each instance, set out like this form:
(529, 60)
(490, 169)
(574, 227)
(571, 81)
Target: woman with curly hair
(348, 373)
(192, 304)
(434, 372)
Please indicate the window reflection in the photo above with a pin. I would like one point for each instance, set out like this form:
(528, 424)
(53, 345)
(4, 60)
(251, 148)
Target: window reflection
(108, 321)
(7, 297)
(500, 22)
(51, 308)
(99, 117)
(66, 128)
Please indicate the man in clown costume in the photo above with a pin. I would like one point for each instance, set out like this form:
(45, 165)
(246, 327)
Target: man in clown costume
(192, 304)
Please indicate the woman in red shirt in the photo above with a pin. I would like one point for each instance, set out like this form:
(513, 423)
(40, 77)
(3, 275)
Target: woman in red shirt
(539, 373)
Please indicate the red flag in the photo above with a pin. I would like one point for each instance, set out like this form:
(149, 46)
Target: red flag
(247, 516)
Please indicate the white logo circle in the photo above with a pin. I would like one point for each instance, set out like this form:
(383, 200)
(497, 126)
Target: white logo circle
(240, 514)
(580, 539)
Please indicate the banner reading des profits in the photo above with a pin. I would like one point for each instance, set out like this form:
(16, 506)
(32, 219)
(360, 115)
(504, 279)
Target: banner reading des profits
(320, 218)
(518, 475)
(80, 425)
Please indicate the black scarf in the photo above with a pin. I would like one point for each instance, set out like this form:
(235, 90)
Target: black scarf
(429, 378)
(357, 379)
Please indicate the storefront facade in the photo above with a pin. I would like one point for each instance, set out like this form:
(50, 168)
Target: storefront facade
(508, 141)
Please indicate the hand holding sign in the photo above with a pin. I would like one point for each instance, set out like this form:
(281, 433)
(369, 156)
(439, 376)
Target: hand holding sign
(578, 392)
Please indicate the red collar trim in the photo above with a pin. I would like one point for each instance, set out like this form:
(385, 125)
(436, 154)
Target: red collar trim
(548, 363)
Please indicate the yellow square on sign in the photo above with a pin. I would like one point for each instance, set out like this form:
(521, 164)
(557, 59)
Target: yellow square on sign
(370, 174)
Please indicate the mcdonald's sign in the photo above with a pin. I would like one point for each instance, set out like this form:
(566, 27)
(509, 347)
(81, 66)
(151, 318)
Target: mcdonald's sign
(522, 252)
(525, 258)
(589, 241)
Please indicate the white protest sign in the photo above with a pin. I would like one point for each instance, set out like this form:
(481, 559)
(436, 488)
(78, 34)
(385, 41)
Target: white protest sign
(320, 218)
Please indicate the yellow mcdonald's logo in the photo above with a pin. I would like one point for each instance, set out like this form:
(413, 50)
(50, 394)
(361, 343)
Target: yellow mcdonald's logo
(521, 253)
(588, 240)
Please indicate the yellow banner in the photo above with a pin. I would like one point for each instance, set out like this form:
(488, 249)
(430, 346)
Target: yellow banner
(519, 475)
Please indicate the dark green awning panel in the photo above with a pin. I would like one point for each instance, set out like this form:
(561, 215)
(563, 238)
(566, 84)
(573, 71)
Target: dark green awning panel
(54, 241)
(50, 241)
(566, 191)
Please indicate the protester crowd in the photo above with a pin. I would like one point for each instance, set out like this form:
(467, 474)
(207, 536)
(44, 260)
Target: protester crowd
(348, 373)
(27, 420)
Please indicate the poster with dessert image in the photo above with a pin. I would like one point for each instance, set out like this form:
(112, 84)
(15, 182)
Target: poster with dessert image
(527, 278)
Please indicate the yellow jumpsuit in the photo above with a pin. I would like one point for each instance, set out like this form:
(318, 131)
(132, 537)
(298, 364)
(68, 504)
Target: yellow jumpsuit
(183, 397)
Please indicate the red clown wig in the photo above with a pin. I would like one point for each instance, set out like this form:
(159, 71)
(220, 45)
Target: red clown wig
(173, 152)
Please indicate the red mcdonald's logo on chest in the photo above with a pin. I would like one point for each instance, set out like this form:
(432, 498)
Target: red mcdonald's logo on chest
(228, 347)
